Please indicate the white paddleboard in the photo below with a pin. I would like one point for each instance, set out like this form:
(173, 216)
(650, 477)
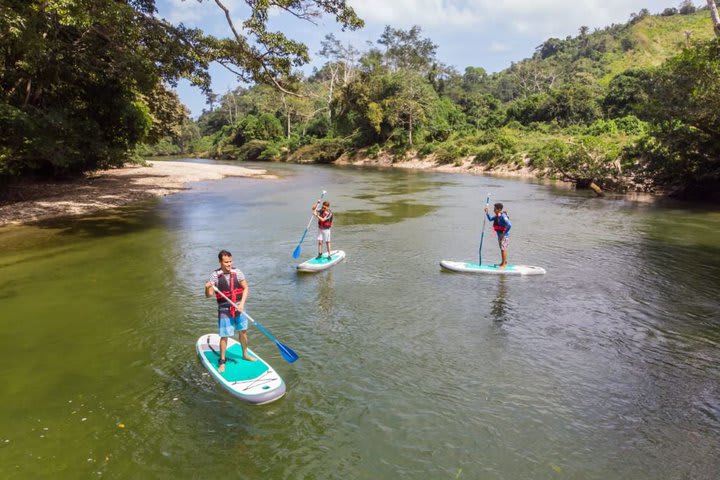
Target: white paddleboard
(317, 264)
(492, 269)
(252, 382)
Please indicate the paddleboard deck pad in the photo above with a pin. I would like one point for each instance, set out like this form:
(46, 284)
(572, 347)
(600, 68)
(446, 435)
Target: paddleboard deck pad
(492, 269)
(253, 382)
(317, 264)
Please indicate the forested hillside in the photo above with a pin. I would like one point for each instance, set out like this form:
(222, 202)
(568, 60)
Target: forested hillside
(625, 107)
(629, 106)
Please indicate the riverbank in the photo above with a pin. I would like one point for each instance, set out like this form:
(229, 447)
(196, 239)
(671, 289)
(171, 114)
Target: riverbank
(33, 201)
(461, 165)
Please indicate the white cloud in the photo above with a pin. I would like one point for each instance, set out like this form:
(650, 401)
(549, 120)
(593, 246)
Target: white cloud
(539, 17)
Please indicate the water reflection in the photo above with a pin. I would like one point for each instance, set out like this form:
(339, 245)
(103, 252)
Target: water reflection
(499, 303)
(325, 295)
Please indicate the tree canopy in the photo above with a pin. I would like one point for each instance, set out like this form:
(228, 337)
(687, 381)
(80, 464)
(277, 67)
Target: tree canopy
(83, 82)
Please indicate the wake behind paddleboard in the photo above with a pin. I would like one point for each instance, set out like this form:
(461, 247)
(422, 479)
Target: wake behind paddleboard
(317, 264)
(492, 269)
(253, 382)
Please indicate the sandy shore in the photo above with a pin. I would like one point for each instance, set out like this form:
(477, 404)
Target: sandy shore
(110, 188)
(461, 165)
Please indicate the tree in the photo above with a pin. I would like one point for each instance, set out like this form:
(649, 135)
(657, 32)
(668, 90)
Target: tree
(572, 103)
(687, 7)
(714, 16)
(626, 92)
(586, 161)
(409, 100)
(340, 69)
(405, 50)
(260, 56)
(683, 101)
(549, 47)
(84, 81)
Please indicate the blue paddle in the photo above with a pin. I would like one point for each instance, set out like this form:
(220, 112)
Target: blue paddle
(286, 352)
(482, 235)
(296, 252)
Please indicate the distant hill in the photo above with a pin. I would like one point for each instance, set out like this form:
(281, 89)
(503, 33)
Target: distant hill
(656, 38)
(596, 57)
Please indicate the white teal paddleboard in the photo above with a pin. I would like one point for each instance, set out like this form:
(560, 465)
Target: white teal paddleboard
(317, 264)
(252, 382)
(492, 269)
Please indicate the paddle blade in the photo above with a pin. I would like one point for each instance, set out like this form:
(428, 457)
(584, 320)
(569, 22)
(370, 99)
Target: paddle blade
(286, 352)
(296, 252)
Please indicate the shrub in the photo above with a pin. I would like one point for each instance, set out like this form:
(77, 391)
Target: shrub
(631, 125)
(374, 150)
(487, 154)
(602, 127)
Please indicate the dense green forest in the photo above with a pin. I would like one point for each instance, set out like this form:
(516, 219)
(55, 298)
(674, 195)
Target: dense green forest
(630, 106)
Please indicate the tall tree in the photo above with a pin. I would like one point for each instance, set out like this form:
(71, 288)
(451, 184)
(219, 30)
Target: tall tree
(714, 16)
(406, 50)
(408, 105)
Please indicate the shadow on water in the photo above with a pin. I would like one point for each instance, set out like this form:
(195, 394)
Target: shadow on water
(133, 218)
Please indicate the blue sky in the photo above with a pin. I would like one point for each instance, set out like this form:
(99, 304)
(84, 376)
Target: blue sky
(482, 33)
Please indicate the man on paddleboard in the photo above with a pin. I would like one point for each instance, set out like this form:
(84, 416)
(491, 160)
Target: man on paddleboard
(233, 284)
(501, 225)
(325, 218)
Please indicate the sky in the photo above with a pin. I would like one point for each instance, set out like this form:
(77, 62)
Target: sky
(481, 33)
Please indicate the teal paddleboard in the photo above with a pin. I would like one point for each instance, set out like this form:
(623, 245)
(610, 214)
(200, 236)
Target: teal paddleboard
(492, 269)
(324, 262)
(253, 382)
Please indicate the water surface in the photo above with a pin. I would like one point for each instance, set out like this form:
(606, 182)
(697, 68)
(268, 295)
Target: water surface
(606, 367)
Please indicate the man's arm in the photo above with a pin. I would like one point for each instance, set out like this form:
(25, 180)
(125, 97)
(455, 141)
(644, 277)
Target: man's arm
(246, 291)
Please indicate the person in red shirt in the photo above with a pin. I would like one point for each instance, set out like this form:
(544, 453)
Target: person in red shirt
(325, 218)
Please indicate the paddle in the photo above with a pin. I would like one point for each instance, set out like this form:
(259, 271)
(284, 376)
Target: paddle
(296, 252)
(285, 351)
(482, 235)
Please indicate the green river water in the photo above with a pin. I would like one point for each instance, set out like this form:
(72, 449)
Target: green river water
(608, 367)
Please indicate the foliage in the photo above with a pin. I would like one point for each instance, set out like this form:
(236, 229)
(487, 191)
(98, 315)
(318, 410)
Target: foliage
(84, 82)
(584, 160)
(68, 102)
(625, 92)
(320, 151)
(262, 127)
(684, 98)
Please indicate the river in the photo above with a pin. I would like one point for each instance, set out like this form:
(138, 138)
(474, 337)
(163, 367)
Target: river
(606, 367)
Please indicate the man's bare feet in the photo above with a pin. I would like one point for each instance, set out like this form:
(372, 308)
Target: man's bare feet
(221, 365)
(249, 358)
(502, 266)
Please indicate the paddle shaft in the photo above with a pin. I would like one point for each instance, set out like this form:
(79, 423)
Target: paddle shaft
(297, 249)
(482, 234)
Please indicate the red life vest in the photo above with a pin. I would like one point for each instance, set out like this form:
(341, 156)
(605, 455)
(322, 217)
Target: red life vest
(327, 223)
(496, 223)
(233, 291)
